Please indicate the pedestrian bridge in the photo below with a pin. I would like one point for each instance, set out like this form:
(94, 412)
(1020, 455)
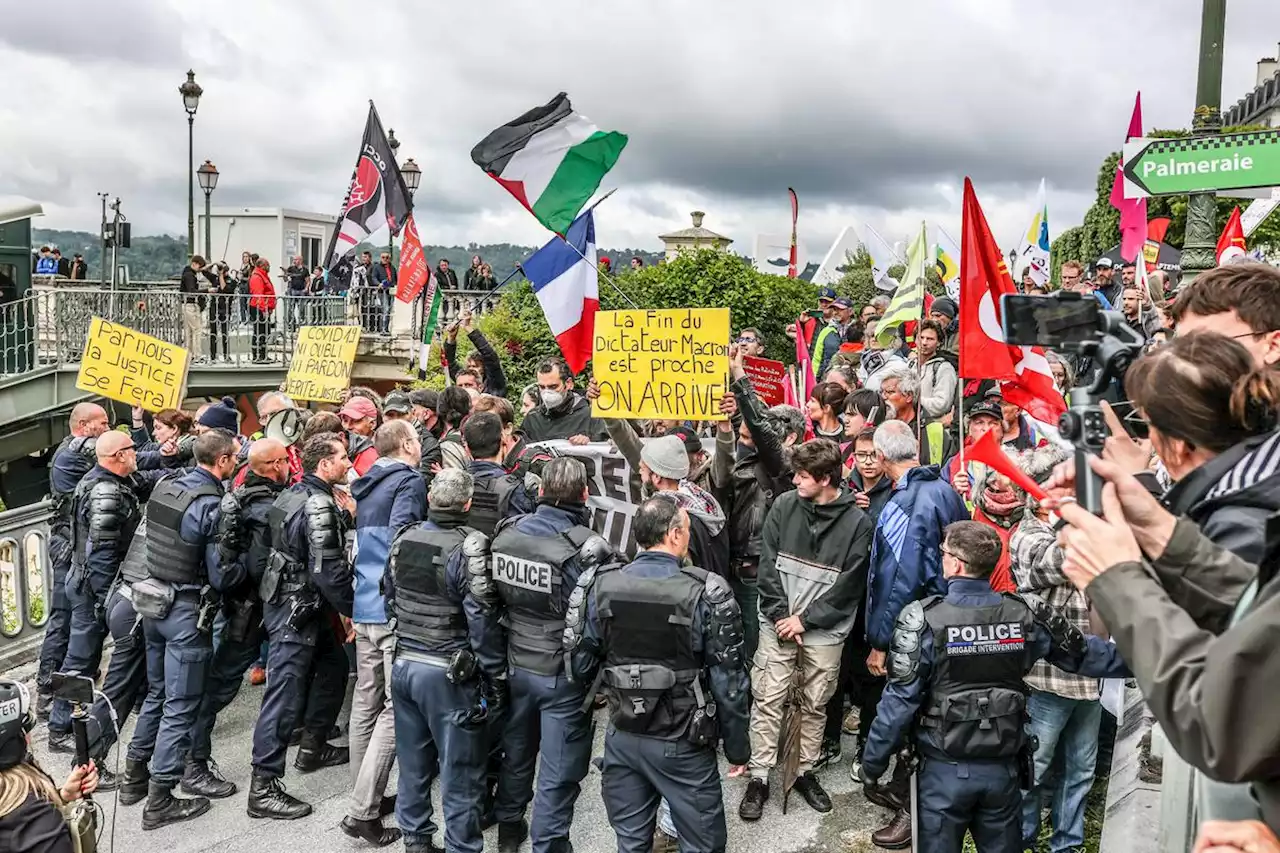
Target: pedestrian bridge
(42, 338)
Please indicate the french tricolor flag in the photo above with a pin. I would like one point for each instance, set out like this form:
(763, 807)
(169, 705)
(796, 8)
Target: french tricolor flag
(565, 280)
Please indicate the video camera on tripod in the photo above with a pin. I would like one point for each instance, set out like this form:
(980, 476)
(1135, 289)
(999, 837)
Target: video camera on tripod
(1076, 322)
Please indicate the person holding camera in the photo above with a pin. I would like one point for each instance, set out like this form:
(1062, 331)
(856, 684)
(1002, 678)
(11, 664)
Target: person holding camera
(30, 802)
(191, 291)
(178, 606)
(956, 674)
(1197, 625)
(220, 303)
(671, 699)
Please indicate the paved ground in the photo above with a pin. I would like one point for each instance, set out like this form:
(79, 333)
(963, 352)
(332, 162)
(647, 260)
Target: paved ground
(228, 829)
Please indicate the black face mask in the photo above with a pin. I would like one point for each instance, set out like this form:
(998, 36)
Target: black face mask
(743, 453)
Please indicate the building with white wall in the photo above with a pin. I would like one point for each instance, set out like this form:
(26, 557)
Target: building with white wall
(275, 233)
(1262, 105)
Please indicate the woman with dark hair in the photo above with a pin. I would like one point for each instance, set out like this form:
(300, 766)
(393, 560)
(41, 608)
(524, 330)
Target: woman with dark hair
(824, 408)
(452, 409)
(1214, 421)
(30, 802)
(166, 425)
(473, 273)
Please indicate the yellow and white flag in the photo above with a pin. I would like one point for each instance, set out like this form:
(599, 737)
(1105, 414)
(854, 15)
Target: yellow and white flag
(908, 301)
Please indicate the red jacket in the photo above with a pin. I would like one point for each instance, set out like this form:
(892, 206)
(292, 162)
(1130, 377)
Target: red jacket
(262, 293)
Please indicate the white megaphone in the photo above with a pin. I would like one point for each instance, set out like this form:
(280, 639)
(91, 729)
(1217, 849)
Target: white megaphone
(285, 426)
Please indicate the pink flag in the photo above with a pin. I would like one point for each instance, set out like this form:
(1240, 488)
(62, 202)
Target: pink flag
(1133, 212)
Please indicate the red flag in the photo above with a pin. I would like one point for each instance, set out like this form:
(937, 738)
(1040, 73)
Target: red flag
(986, 451)
(802, 361)
(1158, 227)
(413, 264)
(1133, 212)
(792, 272)
(1024, 372)
(1231, 243)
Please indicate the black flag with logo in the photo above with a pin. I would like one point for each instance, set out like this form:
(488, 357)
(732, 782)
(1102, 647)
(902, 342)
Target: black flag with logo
(376, 196)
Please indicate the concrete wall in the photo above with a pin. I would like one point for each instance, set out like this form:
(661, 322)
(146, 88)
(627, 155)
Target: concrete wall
(233, 234)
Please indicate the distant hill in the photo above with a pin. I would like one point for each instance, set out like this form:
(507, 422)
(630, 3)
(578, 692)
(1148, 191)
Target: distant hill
(162, 257)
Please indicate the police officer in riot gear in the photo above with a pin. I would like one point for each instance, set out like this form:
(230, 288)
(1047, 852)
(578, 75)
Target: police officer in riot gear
(666, 644)
(244, 544)
(450, 667)
(535, 562)
(956, 669)
(178, 603)
(498, 495)
(105, 512)
(307, 583)
(71, 461)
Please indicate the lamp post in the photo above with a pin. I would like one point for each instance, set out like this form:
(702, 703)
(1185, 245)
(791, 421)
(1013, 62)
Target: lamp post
(412, 176)
(394, 145)
(1199, 248)
(191, 93)
(208, 182)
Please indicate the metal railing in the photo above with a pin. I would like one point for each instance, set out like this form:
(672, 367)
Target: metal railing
(25, 582)
(48, 327)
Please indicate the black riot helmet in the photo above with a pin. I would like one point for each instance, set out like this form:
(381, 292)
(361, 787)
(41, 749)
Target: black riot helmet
(17, 718)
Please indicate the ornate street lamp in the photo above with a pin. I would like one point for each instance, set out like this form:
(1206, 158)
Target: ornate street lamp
(208, 182)
(412, 176)
(191, 93)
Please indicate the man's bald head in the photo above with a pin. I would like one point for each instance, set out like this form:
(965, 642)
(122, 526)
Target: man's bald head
(269, 459)
(88, 419)
(116, 454)
(112, 443)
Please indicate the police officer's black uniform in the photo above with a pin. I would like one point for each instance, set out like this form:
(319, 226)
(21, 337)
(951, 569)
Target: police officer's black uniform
(244, 546)
(177, 618)
(669, 642)
(307, 583)
(448, 677)
(956, 669)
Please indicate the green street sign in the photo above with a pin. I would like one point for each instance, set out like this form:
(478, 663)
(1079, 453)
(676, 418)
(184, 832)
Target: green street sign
(1201, 164)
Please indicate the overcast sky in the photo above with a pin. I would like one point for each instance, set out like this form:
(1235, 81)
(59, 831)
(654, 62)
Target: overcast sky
(874, 111)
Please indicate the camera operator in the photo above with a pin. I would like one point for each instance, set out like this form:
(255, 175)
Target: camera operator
(1162, 587)
(29, 799)
(1213, 420)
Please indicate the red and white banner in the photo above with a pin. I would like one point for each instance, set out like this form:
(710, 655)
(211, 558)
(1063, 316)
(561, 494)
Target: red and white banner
(768, 378)
(414, 269)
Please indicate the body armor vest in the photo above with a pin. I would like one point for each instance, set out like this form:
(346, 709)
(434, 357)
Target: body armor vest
(286, 505)
(977, 698)
(63, 502)
(650, 671)
(423, 611)
(529, 573)
(249, 536)
(133, 567)
(79, 531)
(171, 557)
(490, 502)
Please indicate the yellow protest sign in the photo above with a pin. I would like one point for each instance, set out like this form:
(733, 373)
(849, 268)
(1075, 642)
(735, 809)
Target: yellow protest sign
(320, 369)
(123, 364)
(670, 363)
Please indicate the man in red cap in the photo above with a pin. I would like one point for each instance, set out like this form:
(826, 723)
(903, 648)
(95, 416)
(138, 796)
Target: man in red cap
(360, 418)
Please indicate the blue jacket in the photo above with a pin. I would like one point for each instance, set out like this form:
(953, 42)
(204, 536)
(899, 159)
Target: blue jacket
(47, 266)
(902, 701)
(389, 496)
(906, 557)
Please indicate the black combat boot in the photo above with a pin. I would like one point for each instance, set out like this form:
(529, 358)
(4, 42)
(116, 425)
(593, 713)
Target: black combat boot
(64, 742)
(752, 805)
(429, 847)
(267, 798)
(163, 808)
(107, 781)
(202, 779)
(814, 794)
(315, 753)
(511, 834)
(134, 784)
(370, 830)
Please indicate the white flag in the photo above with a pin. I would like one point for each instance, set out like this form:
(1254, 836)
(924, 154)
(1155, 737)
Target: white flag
(1033, 251)
(835, 263)
(773, 254)
(882, 255)
(946, 253)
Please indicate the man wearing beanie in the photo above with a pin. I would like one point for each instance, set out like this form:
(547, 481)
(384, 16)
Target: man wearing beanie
(664, 467)
(220, 415)
(943, 312)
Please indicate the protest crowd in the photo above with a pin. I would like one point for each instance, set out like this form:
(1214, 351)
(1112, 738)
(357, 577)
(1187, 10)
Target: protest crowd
(803, 564)
(874, 561)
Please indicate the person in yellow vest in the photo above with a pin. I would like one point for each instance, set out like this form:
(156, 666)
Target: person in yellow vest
(827, 338)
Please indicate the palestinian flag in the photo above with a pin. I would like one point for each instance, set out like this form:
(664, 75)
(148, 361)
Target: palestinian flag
(551, 159)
